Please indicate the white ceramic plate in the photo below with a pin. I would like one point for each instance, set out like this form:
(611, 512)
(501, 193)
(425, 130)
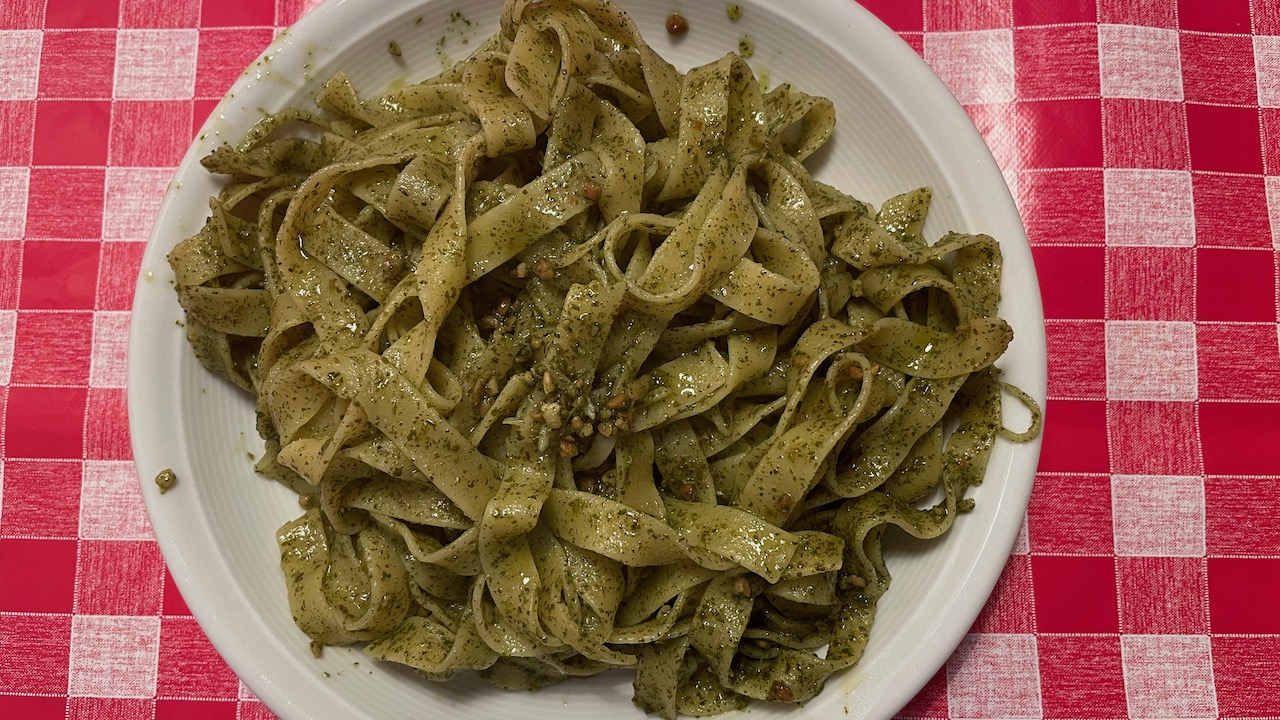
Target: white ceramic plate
(898, 128)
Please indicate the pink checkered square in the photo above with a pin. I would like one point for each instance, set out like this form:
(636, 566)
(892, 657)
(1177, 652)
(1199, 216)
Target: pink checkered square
(106, 430)
(1149, 207)
(977, 65)
(224, 54)
(52, 348)
(19, 64)
(1158, 515)
(1218, 69)
(1081, 346)
(1010, 609)
(1162, 596)
(994, 676)
(94, 708)
(41, 641)
(1080, 676)
(21, 13)
(77, 64)
(1144, 134)
(133, 197)
(149, 133)
(110, 502)
(118, 273)
(1155, 13)
(118, 577)
(1157, 438)
(113, 656)
(14, 182)
(108, 366)
(1226, 531)
(65, 202)
(1169, 676)
(1139, 62)
(148, 14)
(1266, 59)
(1133, 271)
(10, 273)
(18, 117)
(1070, 513)
(156, 64)
(1056, 61)
(999, 127)
(1238, 361)
(1244, 672)
(189, 666)
(947, 16)
(1151, 360)
(1231, 211)
(41, 500)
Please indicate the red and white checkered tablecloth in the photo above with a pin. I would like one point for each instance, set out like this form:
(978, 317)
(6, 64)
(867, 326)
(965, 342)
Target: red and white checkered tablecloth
(1142, 141)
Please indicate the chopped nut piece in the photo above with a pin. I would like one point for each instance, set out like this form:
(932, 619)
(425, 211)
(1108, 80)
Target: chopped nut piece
(786, 503)
(616, 402)
(306, 502)
(522, 270)
(855, 372)
(780, 691)
(568, 448)
(677, 25)
(742, 586)
(165, 480)
(605, 429)
(851, 581)
(544, 269)
(591, 190)
(317, 648)
(685, 491)
(551, 415)
(548, 382)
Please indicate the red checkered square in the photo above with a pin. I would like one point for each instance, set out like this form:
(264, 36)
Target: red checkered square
(976, 65)
(1157, 515)
(65, 202)
(1080, 350)
(931, 701)
(52, 348)
(189, 666)
(998, 124)
(1081, 677)
(1216, 16)
(71, 132)
(1239, 437)
(1056, 62)
(1075, 594)
(216, 13)
(18, 75)
(77, 14)
(1224, 139)
(18, 117)
(1231, 211)
(44, 422)
(1244, 672)
(1068, 133)
(224, 54)
(173, 604)
(1009, 610)
(196, 709)
(108, 365)
(32, 707)
(1075, 437)
(133, 197)
(1168, 676)
(1139, 62)
(119, 577)
(1230, 528)
(14, 186)
(1072, 281)
(200, 112)
(170, 14)
(52, 561)
(1149, 134)
(155, 64)
(1133, 272)
(150, 133)
(42, 641)
(41, 499)
(994, 676)
(915, 41)
(1070, 513)
(77, 64)
(1238, 361)
(1154, 13)
(1242, 593)
(1151, 360)
(113, 656)
(945, 16)
(1218, 69)
(95, 708)
(106, 433)
(18, 14)
(1149, 207)
(118, 273)
(1156, 438)
(289, 11)
(1235, 285)
(59, 275)
(1162, 596)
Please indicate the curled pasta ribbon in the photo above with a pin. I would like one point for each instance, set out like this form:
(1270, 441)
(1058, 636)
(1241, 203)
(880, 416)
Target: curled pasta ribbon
(575, 367)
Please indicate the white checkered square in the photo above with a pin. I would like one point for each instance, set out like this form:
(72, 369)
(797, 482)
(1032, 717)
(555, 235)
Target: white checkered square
(1151, 360)
(108, 363)
(14, 184)
(1266, 61)
(156, 64)
(994, 676)
(1149, 207)
(19, 64)
(133, 198)
(113, 656)
(111, 505)
(1168, 676)
(1273, 208)
(8, 332)
(1158, 516)
(1139, 62)
(976, 65)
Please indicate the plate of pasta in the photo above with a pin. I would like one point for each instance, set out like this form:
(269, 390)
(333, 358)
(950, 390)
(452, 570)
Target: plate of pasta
(581, 358)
